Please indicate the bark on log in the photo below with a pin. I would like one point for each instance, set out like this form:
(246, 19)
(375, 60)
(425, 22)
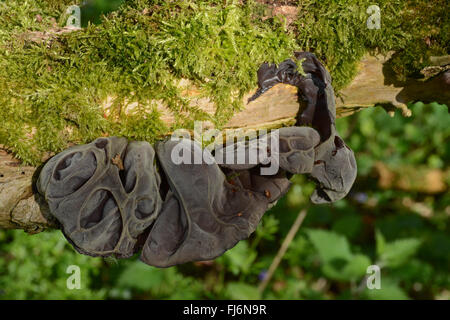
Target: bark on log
(18, 207)
(374, 84)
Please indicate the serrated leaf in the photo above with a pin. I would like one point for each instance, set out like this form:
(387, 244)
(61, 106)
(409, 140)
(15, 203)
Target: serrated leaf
(347, 270)
(357, 267)
(330, 245)
(396, 253)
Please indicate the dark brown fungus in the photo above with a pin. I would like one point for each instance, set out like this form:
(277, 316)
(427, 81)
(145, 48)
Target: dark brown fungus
(111, 199)
(201, 217)
(101, 211)
(334, 166)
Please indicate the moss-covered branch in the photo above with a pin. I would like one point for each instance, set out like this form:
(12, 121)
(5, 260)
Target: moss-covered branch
(153, 66)
(18, 207)
(278, 107)
(54, 92)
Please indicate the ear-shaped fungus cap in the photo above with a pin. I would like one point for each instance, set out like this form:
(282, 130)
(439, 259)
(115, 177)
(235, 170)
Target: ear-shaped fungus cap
(334, 171)
(103, 206)
(317, 91)
(203, 215)
(334, 166)
(291, 148)
(288, 149)
(269, 75)
(106, 195)
(313, 66)
(296, 149)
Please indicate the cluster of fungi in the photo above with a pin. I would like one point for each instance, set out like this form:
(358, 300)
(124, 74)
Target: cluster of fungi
(114, 197)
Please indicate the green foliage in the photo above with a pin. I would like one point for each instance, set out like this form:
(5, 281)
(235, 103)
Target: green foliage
(396, 253)
(421, 140)
(91, 11)
(239, 260)
(338, 262)
(242, 291)
(389, 291)
(162, 283)
(330, 246)
(336, 31)
(34, 267)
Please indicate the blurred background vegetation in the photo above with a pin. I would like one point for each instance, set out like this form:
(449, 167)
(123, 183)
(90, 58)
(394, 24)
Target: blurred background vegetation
(397, 215)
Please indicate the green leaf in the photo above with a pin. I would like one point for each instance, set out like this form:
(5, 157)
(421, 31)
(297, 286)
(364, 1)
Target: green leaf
(353, 269)
(388, 291)
(330, 245)
(357, 267)
(394, 254)
(240, 258)
(140, 276)
(339, 263)
(380, 242)
(242, 291)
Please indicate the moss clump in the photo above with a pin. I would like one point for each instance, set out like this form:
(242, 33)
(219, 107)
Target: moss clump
(336, 31)
(51, 92)
(429, 23)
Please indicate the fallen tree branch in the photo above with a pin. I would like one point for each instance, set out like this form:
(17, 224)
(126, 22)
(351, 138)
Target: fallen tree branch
(18, 207)
(374, 84)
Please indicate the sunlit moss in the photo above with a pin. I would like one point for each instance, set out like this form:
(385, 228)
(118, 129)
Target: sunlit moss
(52, 92)
(337, 32)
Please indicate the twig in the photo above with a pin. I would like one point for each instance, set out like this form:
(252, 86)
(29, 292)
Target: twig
(285, 245)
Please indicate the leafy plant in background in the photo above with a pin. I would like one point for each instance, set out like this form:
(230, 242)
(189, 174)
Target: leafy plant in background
(405, 232)
(36, 268)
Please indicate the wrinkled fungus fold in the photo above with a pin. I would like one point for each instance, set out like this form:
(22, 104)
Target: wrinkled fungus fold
(115, 197)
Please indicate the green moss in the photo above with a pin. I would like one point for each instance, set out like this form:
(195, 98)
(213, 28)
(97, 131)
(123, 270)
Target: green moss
(52, 92)
(336, 31)
(429, 23)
